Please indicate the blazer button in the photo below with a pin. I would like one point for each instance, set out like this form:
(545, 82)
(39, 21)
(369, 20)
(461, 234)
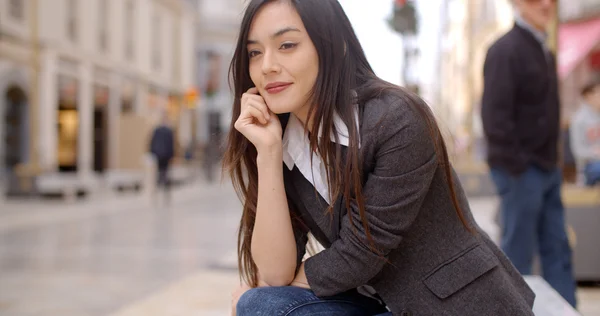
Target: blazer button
(406, 313)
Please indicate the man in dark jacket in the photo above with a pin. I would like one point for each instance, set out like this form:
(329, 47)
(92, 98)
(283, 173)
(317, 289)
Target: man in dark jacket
(162, 147)
(520, 112)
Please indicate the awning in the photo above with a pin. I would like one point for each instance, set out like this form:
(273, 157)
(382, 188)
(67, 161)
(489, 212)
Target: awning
(575, 41)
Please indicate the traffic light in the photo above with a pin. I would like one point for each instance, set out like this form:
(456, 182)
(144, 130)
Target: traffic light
(404, 20)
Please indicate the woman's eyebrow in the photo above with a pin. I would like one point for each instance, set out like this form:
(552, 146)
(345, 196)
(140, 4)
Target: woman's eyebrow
(277, 34)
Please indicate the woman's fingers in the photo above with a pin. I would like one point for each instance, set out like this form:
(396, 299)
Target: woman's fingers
(249, 116)
(256, 101)
(235, 296)
(254, 109)
(256, 113)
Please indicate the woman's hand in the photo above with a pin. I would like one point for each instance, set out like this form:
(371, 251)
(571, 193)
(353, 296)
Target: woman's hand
(258, 124)
(236, 294)
(300, 279)
(239, 291)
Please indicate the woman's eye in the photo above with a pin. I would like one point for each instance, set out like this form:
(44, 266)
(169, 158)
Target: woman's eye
(288, 45)
(253, 53)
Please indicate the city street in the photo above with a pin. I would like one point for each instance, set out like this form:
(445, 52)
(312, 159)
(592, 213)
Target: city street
(129, 256)
(94, 257)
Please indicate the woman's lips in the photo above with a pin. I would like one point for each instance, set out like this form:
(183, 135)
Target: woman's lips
(278, 88)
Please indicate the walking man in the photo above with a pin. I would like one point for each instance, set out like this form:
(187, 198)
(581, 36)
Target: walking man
(162, 147)
(520, 112)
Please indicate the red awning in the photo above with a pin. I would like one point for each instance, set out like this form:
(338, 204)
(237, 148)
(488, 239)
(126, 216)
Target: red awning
(575, 41)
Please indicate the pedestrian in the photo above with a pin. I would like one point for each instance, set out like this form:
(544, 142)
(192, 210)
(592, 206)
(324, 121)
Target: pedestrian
(520, 114)
(585, 133)
(319, 144)
(162, 147)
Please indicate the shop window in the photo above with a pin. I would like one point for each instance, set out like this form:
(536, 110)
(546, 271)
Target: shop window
(17, 9)
(129, 30)
(103, 25)
(68, 125)
(72, 24)
(157, 41)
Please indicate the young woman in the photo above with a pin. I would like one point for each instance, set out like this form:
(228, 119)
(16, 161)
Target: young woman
(320, 145)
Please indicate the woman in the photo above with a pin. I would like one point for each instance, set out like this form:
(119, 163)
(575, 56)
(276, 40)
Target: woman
(320, 145)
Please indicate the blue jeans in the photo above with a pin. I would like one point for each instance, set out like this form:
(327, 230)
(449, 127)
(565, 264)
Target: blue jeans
(592, 173)
(533, 219)
(295, 301)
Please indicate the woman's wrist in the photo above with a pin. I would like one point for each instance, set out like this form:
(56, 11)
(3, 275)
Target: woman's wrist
(269, 155)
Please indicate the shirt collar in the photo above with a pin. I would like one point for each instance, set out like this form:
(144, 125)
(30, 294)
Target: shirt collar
(539, 35)
(296, 145)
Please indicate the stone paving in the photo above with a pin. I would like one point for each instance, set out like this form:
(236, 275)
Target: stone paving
(130, 256)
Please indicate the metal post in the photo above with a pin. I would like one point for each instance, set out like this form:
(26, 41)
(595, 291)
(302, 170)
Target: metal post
(469, 39)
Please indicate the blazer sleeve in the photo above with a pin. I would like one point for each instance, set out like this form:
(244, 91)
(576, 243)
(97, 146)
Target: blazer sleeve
(394, 192)
(498, 106)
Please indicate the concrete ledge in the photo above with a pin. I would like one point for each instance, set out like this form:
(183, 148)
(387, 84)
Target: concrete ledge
(547, 301)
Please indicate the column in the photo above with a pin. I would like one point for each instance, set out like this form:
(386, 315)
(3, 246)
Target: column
(85, 106)
(48, 101)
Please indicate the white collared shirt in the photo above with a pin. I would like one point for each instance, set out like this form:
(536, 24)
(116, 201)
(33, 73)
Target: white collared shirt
(296, 152)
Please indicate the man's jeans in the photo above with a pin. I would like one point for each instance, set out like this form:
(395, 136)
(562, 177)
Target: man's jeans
(532, 216)
(295, 301)
(592, 173)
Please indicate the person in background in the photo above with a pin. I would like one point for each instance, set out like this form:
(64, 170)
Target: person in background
(585, 133)
(520, 115)
(162, 147)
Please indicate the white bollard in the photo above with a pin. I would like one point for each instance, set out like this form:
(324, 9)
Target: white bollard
(150, 177)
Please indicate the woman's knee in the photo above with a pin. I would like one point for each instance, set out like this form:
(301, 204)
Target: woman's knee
(249, 302)
(270, 300)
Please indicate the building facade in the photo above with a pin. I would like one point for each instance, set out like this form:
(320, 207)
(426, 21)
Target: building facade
(78, 68)
(578, 51)
(471, 26)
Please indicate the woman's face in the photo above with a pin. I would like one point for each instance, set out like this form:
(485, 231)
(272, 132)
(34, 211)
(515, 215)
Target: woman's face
(283, 60)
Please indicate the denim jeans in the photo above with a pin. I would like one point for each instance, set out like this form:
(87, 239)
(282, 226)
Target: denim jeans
(533, 221)
(592, 173)
(295, 301)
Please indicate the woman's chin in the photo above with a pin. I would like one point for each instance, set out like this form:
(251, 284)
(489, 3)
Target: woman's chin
(279, 109)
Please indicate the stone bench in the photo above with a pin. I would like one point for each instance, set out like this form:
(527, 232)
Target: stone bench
(582, 211)
(69, 186)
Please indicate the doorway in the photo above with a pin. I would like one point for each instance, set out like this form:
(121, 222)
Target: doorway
(100, 128)
(100, 139)
(16, 133)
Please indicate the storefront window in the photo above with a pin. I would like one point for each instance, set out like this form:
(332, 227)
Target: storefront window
(68, 124)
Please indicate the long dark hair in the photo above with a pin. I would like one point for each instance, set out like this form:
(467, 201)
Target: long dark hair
(344, 79)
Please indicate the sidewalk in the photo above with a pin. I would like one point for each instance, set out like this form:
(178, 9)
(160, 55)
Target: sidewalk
(16, 214)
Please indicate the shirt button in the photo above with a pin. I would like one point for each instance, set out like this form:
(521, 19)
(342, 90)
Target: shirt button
(405, 313)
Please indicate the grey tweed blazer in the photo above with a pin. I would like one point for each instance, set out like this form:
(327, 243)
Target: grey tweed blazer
(434, 265)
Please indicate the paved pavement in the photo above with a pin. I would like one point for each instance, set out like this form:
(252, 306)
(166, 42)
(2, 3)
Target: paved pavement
(131, 256)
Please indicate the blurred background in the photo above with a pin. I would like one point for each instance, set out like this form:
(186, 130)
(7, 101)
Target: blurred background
(84, 229)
